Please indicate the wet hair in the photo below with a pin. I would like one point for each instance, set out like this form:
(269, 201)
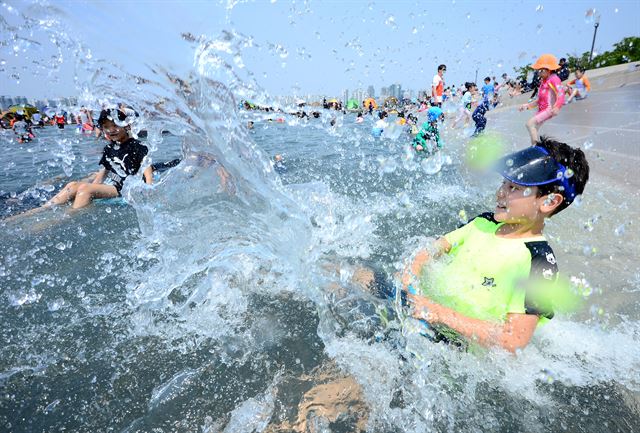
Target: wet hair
(442, 68)
(468, 85)
(487, 79)
(572, 158)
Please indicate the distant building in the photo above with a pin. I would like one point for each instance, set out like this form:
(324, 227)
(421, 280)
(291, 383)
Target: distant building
(371, 92)
(359, 95)
(395, 90)
(345, 96)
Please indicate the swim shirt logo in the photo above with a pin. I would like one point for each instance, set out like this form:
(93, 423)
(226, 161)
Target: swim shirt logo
(489, 282)
(551, 258)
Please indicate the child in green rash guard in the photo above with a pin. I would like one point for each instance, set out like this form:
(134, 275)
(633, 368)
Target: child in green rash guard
(423, 142)
(484, 289)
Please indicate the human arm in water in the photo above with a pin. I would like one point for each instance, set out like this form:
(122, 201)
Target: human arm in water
(148, 175)
(513, 334)
(421, 258)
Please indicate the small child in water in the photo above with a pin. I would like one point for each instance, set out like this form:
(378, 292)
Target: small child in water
(424, 141)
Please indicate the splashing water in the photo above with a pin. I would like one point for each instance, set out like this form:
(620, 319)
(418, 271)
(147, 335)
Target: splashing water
(210, 302)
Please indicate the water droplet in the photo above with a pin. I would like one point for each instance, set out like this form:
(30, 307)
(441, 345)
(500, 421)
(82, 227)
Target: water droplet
(61, 246)
(539, 8)
(547, 376)
(108, 210)
(509, 162)
(568, 173)
(589, 16)
(539, 28)
(615, 10)
(587, 144)
(527, 192)
(499, 64)
(620, 230)
(414, 30)
(468, 43)
(468, 16)
(390, 21)
(577, 201)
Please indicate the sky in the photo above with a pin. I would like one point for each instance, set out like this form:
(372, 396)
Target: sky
(314, 47)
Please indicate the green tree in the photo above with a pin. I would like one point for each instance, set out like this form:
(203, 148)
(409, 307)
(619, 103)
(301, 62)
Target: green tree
(625, 51)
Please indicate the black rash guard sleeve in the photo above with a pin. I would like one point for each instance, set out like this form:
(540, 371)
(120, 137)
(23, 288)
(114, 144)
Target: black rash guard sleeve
(543, 267)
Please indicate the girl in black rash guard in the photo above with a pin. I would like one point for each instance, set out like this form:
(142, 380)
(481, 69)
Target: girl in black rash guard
(121, 158)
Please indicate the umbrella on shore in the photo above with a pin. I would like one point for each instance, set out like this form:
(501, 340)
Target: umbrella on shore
(27, 109)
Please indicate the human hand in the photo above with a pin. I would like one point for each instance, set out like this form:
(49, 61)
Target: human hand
(419, 148)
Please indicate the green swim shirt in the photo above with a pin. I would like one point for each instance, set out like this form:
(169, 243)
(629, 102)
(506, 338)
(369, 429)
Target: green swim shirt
(484, 276)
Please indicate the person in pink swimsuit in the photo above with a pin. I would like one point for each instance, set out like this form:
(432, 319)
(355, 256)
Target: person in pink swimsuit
(550, 95)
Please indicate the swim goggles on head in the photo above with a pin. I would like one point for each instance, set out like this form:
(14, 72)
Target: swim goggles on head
(534, 166)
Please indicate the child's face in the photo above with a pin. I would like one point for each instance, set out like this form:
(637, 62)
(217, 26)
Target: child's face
(114, 132)
(579, 74)
(518, 204)
(544, 73)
